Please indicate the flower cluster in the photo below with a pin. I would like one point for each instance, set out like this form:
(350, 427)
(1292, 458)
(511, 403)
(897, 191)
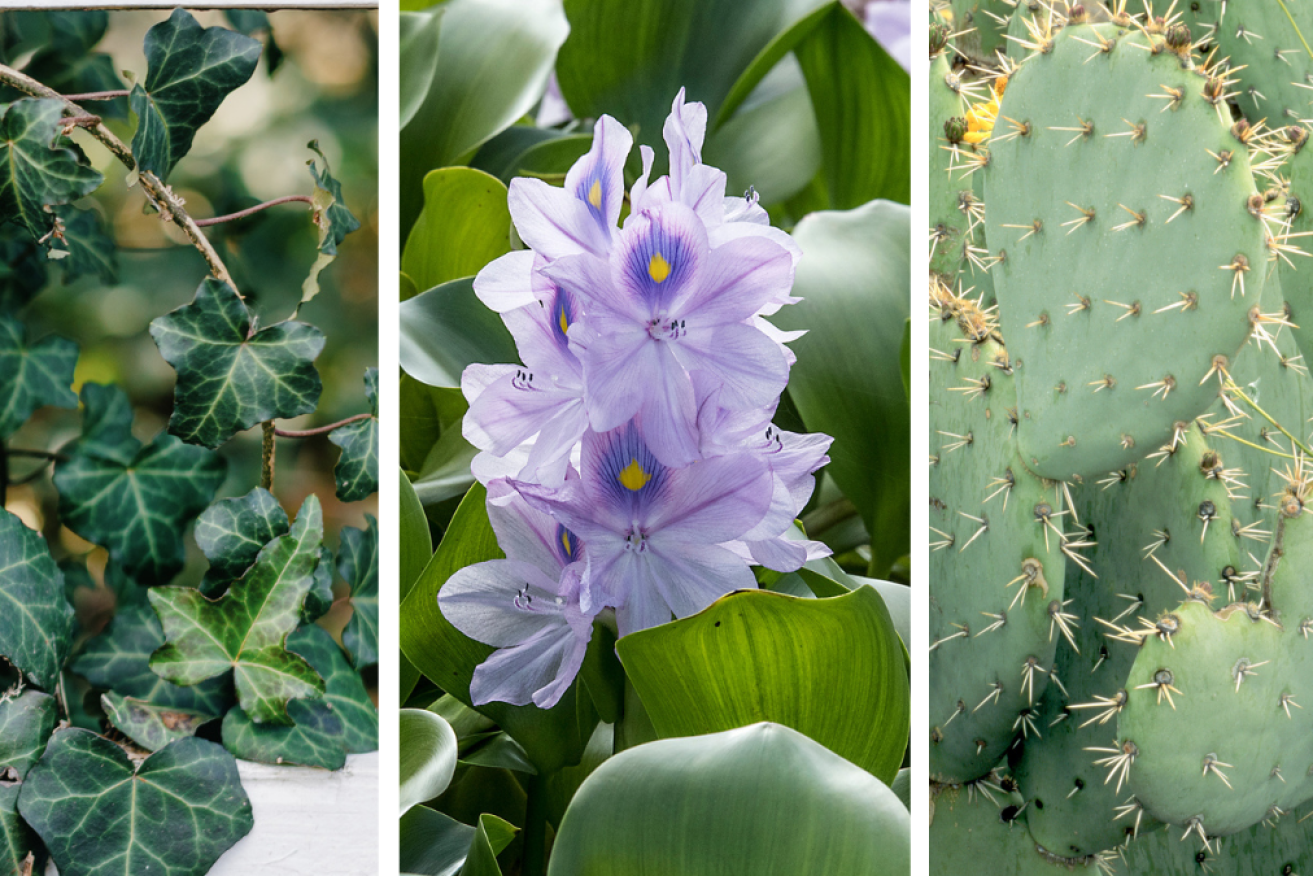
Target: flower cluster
(630, 460)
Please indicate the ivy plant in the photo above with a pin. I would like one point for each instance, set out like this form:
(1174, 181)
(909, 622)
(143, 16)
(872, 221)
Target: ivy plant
(119, 734)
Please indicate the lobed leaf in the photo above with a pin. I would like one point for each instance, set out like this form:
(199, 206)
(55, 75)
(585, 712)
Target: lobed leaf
(335, 222)
(36, 621)
(32, 374)
(357, 563)
(149, 725)
(232, 532)
(34, 172)
(357, 468)
(26, 722)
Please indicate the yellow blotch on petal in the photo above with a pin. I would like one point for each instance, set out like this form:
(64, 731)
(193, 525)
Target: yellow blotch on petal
(595, 194)
(562, 321)
(565, 541)
(658, 268)
(633, 477)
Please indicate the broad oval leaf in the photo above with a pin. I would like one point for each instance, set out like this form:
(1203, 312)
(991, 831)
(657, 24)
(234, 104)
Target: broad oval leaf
(35, 172)
(447, 328)
(428, 756)
(465, 225)
(356, 473)
(418, 49)
(759, 799)
(36, 624)
(855, 282)
(189, 71)
(415, 550)
(433, 843)
(830, 668)
(26, 722)
(357, 563)
(230, 378)
(100, 817)
(32, 374)
(247, 628)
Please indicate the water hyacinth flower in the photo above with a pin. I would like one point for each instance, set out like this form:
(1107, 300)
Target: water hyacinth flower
(632, 466)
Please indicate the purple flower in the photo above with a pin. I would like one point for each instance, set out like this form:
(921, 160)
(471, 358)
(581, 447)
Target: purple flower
(890, 22)
(663, 305)
(653, 535)
(527, 606)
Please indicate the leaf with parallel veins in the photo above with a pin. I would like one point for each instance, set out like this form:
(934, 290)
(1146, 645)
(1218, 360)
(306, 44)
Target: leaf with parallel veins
(174, 815)
(190, 70)
(32, 374)
(246, 629)
(36, 621)
(133, 500)
(34, 174)
(357, 468)
(357, 562)
(230, 377)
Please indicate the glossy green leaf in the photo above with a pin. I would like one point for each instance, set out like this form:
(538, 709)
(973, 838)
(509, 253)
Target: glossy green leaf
(190, 70)
(22, 268)
(855, 281)
(551, 738)
(552, 157)
(862, 99)
(151, 726)
(629, 58)
(32, 374)
(26, 721)
(428, 756)
(100, 817)
(36, 623)
(61, 44)
(84, 249)
(433, 843)
(232, 532)
(760, 799)
(426, 411)
(132, 499)
(356, 473)
(902, 787)
(465, 225)
(767, 60)
(16, 838)
(418, 48)
(344, 690)
(247, 628)
(229, 378)
(357, 563)
(118, 660)
(494, 57)
(446, 470)
(333, 219)
(319, 601)
(414, 549)
(447, 328)
(491, 837)
(898, 599)
(35, 171)
(253, 21)
(760, 656)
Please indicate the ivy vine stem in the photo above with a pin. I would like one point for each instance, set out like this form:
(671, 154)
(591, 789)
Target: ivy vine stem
(267, 451)
(38, 454)
(250, 211)
(320, 430)
(99, 95)
(169, 204)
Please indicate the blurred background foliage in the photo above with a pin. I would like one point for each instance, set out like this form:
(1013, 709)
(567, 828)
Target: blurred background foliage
(322, 85)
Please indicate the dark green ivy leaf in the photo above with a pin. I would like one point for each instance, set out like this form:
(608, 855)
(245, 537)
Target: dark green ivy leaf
(357, 468)
(232, 532)
(36, 621)
(26, 722)
(22, 268)
(335, 221)
(118, 660)
(34, 174)
(190, 70)
(86, 249)
(357, 562)
(32, 374)
(246, 629)
(251, 21)
(320, 598)
(134, 501)
(345, 692)
(230, 378)
(149, 725)
(172, 816)
(16, 838)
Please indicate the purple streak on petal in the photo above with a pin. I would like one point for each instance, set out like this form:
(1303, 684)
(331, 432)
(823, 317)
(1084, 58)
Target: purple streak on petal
(737, 280)
(733, 230)
(501, 602)
(703, 192)
(542, 344)
(507, 282)
(575, 507)
(692, 576)
(711, 501)
(553, 222)
(513, 409)
(603, 166)
(669, 414)
(621, 473)
(751, 366)
(528, 535)
(620, 363)
(539, 670)
(658, 257)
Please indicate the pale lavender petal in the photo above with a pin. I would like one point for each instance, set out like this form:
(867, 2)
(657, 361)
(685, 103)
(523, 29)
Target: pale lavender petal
(890, 22)
(638, 194)
(669, 414)
(749, 227)
(549, 458)
(476, 378)
(746, 209)
(538, 671)
(779, 517)
(684, 131)
(552, 222)
(590, 280)
(786, 555)
(795, 458)
(574, 507)
(780, 337)
(703, 192)
(488, 467)
(658, 259)
(620, 364)
(711, 501)
(737, 280)
(692, 576)
(528, 535)
(553, 110)
(513, 409)
(541, 338)
(622, 476)
(501, 602)
(507, 282)
(598, 178)
(751, 366)
(643, 605)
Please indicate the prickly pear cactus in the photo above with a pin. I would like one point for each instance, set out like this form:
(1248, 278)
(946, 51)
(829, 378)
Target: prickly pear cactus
(954, 207)
(1133, 228)
(1268, 57)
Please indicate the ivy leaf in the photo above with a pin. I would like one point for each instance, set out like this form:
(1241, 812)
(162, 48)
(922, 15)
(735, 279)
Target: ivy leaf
(343, 722)
(335, 221)
(16, 838)
(232, 532)
(250, 21)
(85, 249)
(34, 174)
(36, 621)
(357, 562)
(229, 377)
(61, 42)
(149, 725)
(26, 722)
(172, 816)
(22, 268)
(320, 598)
(357, 468)
(135, 501)
(118, 660)
(189, 71)
(246, 629)
(32, 374)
